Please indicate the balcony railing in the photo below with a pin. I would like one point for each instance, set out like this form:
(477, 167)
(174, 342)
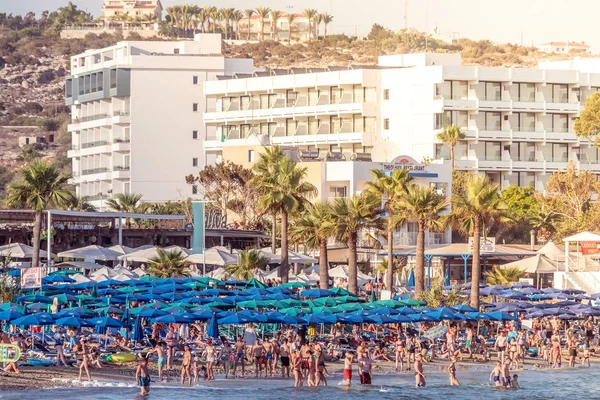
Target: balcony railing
(94, 171)
(120, 113)
(94, 144)
(79, 120)
(121, 140)
(121, 168)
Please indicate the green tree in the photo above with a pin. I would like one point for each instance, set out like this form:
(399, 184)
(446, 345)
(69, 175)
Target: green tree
(390, 189)
(451, 135)
(587, 125)
(128, 203)
(423, 204)
(309, 226)
(29, 153)
(40, 186)
(266, 167)
(436, 296)
(504, 276)
(227, 14)
(290, 21)
(350, 217)
(250, 261)
(81, 204)
(523, 205)
(480, 206)
(169, 264)
(262, 12)
(275, 16)
(327, 19)
(317, 19)
(10, 286)
(310, 13)
(249, 13)
(286, 192)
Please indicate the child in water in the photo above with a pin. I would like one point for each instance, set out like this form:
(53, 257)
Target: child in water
(514, 383)
(142, 376)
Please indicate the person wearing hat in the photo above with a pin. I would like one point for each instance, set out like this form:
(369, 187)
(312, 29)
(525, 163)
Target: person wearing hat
(210, 353)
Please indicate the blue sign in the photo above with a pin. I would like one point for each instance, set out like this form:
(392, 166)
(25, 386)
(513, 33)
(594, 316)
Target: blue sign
(198, 237)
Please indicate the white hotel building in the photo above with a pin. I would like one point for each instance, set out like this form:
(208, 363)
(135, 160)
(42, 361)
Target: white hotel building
(518, 122)
(137, 116)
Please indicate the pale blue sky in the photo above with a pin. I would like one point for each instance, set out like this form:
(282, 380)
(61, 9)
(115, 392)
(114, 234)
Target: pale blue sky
(500, 21)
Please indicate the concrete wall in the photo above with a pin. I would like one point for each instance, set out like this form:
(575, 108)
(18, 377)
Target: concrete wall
(81, 33)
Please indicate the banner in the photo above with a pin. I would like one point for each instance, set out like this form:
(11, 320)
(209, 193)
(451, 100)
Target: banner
(198, 237)
(31, 278)
(589, 248)
(486, 245)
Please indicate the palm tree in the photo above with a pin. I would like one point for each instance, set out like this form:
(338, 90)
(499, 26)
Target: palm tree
(263, 12)
(285, 191)
(310, 13)
(275, 16)
(350, 216)
(149, 19)
(81, 204)
(265, 167)
(424, 205)
(40, 187)
(169, 264)
(213, 15)
(128, 203)
(480, 205)
(290, 21)
(201, 18)
(327, 19)
(390, 189)
(318, 18)
(249, 13)
(227, 14)
(451, 135)
(28, 154)
(504, 276)
(237, 17)
(309, 227)
(250, 261)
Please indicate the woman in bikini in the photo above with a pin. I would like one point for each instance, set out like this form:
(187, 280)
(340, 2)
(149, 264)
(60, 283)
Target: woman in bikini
(399, 354)
(210, 353)
(297, 368)
(452, 372)
(186, 365)
(84, 352)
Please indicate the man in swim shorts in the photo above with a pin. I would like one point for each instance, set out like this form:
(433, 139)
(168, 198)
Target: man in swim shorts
(142, 376)
(239, 349)
(348, 368)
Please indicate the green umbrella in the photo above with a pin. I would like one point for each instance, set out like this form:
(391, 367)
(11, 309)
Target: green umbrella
(292, 302)
(350, 306)
(112, 309)
(347, 299)
(65, 272)
(389, 303)
(218, 304)
(195, 285)
(62, 298)
(291, 311)
(295, 285)
(148, 278)
(412, 303)
(373, 298)
(340, 292)
(326, 310)
(206, 279)
(323, 301)
(85, 297)
(130, 290)
(256, 284)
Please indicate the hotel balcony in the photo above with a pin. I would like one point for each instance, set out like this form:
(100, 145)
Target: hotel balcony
(517, 135)
(118, 145)
(280, 110)
(102, 174)
(524, 165)
(473, 104)
(98, 120)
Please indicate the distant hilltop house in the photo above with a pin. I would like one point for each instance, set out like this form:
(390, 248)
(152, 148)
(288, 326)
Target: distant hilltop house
(121, 10)
(564, 47)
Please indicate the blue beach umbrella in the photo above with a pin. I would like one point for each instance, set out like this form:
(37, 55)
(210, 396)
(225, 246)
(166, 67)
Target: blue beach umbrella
(72, 322)
(237, 319)
(213, 327)
(149, 312)
(317, 293)
(411, 278)
(137, 335)
(172, 319)
(106, 322)
(10, 315)
(37, 319)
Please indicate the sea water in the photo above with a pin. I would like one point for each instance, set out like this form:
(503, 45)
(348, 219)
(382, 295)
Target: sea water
(583, 383)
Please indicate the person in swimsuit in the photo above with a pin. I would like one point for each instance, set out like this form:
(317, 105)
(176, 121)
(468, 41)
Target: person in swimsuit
(210, 353)
(419, 375)
(495, 374)
(555, 352)
(305, 354)
(321, 368)
(186, 365)
(142, 377)
(269, 352)
(258, 352)
(469, 342)
(171, 339)
(501, 342)
(348, 368)
(60, 355)
(284, 354)
(452, 372)
(84, 352)
(240, 349)
(364, 369)
(297, 368)
(226, 357)
(515, 382)
(506, 373)
(399, 354)
(589, 330)
(572, 351)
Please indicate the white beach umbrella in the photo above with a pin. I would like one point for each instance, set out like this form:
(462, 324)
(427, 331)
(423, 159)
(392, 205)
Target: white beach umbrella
(121, 249)
(104, 271)
(139, 272)
(538, 264)
(92, 252)
(213, 256)
(19, 250)
(147, 254)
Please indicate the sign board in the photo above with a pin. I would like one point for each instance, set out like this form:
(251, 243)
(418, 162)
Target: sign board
(487, 245)
(215, 220)
(385, 295)
(526, 280)
(404, 162)
(31, 278)
(589, 248)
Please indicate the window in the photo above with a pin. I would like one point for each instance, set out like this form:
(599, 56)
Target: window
(250, 155)
(194, 189)
(195, 80)
(386, 124)
(386, 94)
(195, 107)
(194, 162)
(194, 134)
(337, 191)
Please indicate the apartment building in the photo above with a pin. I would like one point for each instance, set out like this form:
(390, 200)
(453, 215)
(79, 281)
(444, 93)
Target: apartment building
(275, 30)
(112, 9)
(518, 122)
(137, 116)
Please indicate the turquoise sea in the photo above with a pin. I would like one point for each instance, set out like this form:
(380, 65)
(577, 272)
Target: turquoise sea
(580, 383)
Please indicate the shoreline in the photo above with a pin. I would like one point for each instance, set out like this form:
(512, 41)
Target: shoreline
(116, 375)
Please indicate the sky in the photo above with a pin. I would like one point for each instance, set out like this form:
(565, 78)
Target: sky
(514, 21)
